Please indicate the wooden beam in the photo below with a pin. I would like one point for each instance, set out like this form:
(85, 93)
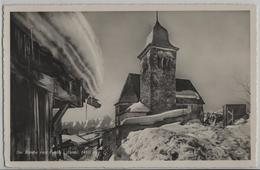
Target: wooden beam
(53, 86)
(93, 102)
(36, 122)
(48, 118)
(57, 117)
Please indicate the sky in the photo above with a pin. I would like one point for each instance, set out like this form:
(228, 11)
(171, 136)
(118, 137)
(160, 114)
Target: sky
(214, 53)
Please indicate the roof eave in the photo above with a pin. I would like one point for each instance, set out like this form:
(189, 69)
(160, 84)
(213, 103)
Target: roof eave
(151, 45)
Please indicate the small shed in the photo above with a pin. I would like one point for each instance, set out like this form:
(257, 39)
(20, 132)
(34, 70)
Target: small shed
(232, 112)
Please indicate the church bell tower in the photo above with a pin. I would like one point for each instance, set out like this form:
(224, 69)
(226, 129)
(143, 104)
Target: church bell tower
(157, 77)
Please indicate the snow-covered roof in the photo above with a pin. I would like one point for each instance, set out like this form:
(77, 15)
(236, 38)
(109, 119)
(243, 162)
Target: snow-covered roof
(70, 39)
(190, 94)
(138, 107)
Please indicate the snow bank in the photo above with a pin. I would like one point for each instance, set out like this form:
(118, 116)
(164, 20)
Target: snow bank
(146, 120)
(191, 141)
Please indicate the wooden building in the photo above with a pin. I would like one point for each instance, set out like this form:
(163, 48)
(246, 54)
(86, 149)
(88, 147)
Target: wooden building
(39, 84)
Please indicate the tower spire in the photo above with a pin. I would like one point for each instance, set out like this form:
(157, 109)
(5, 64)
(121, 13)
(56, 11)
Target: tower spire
(156, 16)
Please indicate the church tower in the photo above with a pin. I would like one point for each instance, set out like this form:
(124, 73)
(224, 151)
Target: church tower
(157, 77)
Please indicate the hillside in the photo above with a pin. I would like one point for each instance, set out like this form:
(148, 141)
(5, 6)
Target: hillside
(191, 141)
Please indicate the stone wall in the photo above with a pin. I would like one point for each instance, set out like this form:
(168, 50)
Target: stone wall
(158, 85)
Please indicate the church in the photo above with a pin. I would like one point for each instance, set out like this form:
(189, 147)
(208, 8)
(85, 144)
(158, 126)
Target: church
(156, 89)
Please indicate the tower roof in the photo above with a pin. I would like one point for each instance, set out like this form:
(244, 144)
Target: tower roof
(158, 37)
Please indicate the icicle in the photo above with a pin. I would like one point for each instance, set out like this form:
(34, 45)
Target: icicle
(162, 58)
(167, 61)
(148, 59)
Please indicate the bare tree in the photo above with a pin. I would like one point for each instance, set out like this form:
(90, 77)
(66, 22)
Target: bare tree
(244, 85)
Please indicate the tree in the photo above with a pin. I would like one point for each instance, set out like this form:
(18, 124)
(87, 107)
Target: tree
(106, 122)
(244, 85)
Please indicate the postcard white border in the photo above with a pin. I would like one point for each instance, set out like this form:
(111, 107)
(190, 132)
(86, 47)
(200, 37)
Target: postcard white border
(128, 164)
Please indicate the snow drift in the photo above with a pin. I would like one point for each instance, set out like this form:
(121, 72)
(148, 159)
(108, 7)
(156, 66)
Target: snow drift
(191, 141)
(71, 40)
(146, 120)
(137, 107)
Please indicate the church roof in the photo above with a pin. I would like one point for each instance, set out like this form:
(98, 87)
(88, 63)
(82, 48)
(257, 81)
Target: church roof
(185, 85)
(131, 90)
(158, 37)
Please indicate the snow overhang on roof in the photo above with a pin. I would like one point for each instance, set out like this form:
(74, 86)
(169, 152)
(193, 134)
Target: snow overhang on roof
(190, 94)
(70, 39)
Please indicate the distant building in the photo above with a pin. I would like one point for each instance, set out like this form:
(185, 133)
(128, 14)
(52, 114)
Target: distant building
(233, 112)
(156, 89)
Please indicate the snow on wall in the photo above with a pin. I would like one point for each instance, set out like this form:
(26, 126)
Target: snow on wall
(137, 107)
(146, 120)
(71, 40)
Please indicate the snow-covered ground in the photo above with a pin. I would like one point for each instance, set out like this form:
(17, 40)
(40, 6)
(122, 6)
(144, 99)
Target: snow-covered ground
(191, 141)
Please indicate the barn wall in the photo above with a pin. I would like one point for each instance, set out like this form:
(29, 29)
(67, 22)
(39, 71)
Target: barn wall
(30, 121)
(23, 137)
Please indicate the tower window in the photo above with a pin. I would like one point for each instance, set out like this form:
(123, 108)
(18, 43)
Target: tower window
(165, 62)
